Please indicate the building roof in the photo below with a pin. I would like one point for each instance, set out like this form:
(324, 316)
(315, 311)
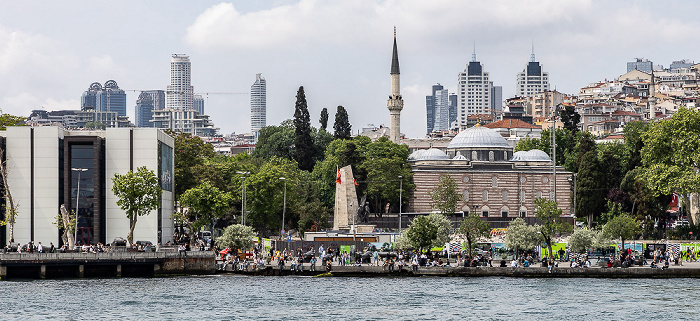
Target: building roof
(533, 155)
(395, 57)
(478, 137)
(512, 123)
(431, 154)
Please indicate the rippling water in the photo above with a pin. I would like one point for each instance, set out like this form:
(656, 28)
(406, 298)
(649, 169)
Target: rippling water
(226, 297)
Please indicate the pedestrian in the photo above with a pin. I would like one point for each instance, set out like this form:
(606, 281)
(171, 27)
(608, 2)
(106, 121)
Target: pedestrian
(40, 248)
(313, 263)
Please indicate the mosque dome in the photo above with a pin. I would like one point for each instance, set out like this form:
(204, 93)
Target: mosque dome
(431, 154)
(533, 155)
(478, 137)
(415, 154)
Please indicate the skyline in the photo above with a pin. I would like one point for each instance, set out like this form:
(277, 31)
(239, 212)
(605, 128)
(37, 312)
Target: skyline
(339, 51)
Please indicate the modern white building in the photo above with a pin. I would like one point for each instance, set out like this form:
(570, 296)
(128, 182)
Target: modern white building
(532, 79)
(46, 164)
(258, 104)
(474, 92)
(180, 93)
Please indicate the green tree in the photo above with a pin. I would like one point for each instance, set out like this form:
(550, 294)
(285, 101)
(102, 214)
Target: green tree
(266, 195)
(570, 118)
(275, 141)
(670, 156)
(527, 144)
(204, 203)
(237, 237)
(138, 194)
(342, 128)
(473, 228)
(581, 240)
(634, 131)
(521, 236)
(428, 231)
(10, 120)
(190, 155)
(445, 196)
(623, 227)
(95, 125)
(382, 165)
(324, 118)
(304, 149)
(590, 193)
(550, 215)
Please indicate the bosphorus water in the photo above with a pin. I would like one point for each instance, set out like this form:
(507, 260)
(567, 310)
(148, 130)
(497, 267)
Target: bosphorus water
(229, 297)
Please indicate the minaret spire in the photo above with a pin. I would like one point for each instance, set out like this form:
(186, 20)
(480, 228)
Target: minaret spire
(395, 102)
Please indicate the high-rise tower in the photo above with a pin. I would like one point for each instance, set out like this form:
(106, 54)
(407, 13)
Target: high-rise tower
(258, 104)
(474, 91)
(180, 94)
(395, 102)
(532, 79)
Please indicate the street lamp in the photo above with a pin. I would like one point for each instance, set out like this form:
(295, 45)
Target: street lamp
(574, 192)
(400, 199)
(284, 205)
(244, 191)
(77, 202)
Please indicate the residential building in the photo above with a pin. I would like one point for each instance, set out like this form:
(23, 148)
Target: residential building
(641, 64)
(497, 98)
(198, 104)
(49, 163)
(258, 104)
(543, 104)
(180, 93)
(104, 99)
(143, 112)
(474, 92)
(532, 79)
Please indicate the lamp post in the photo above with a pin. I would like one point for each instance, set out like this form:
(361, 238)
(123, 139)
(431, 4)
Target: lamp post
(284, 204)
(400, 199)
(77, 202)
(244, 191)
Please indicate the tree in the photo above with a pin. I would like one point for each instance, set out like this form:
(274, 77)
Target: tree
(445, 195)
(550, 215)
(191, 152)
(342, 128)
(428, 231)
(570, 118)
(581, 240)
(521, 236)
(527, 144)
(10, 120)
(590, 193)
(205, 203)
(382, 165)
(138, 194)
(473, 228)
(303, 144)
(275, 141)
(670, 156)
(324, 118)
(11, 206)
(623, 227)
(237, 237)
(66, 223)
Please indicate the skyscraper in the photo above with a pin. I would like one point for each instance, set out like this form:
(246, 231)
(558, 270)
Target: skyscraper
(474, 92)
(104, 99)
(144, 110)
(158, 97)
(532, 79)
(640, 64)
(198, 104)
(180, 91)
(395, 102)
(496, 98)
(258, 104)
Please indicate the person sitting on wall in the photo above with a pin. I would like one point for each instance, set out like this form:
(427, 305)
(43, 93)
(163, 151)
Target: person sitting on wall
(329, 266)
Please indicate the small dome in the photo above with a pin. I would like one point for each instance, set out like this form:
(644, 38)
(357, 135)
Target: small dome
(533, 155)
(415, 154)
(478, 137)
(432, 154)
(459, 157)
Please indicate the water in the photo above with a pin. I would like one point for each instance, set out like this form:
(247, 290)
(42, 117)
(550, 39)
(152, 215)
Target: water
(226, 297)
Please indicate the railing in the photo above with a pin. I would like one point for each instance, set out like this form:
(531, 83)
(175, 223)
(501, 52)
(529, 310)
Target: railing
(13, 256)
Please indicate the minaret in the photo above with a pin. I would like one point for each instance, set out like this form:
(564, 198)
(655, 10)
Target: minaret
(395, 102)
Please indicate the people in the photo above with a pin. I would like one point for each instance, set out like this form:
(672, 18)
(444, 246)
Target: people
(514, 263)
(313, 263)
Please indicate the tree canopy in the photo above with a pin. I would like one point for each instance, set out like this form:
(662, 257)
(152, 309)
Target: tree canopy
(445, 195)
(138, 194)
(473, 228)
(342, 128)
(428, 231)
(623, 227)
(237, 237)
(205, 203)
(521, 236)
(304, 149)
(550, 215)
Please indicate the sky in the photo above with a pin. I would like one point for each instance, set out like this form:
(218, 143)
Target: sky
(340, 51)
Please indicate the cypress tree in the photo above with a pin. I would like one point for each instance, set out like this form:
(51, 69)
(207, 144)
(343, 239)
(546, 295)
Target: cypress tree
(303, 144)
(341, 127)
(324, 118)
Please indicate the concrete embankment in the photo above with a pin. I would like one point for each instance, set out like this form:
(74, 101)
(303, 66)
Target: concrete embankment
(117, 264)
(529, 272)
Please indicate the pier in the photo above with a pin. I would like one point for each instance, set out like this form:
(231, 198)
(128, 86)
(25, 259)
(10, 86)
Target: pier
(114, 264)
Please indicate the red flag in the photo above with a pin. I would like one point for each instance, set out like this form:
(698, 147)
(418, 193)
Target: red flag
(337, 179)
(354, 181)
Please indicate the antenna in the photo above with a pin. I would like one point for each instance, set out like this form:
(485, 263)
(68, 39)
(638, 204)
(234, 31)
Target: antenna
(532, 55)
(474, 53)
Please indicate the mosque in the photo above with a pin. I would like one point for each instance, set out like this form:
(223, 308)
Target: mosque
(493, 180)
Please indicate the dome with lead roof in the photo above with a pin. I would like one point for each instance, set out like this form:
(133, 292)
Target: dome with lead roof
(431, 154)
(478, 137)
(533, 155)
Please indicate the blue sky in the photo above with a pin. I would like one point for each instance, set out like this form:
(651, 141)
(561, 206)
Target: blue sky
(339, 51)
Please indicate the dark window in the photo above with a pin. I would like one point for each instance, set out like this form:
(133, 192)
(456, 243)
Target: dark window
(485, 213)
(504, 214)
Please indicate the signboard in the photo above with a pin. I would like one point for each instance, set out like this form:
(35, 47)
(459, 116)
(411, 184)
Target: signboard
(289, 238)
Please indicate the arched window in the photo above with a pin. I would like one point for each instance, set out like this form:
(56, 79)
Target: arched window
(465, 179)
(504, 211)
(494, 181)
(485, 196)
(465, 195)
(538, 194)
(505, 155)
(474, 156)
(523, 211)
(491, 156)
(504, 195)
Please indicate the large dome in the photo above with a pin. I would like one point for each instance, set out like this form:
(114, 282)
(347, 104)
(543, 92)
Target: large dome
(533, 155)
(478, 137)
